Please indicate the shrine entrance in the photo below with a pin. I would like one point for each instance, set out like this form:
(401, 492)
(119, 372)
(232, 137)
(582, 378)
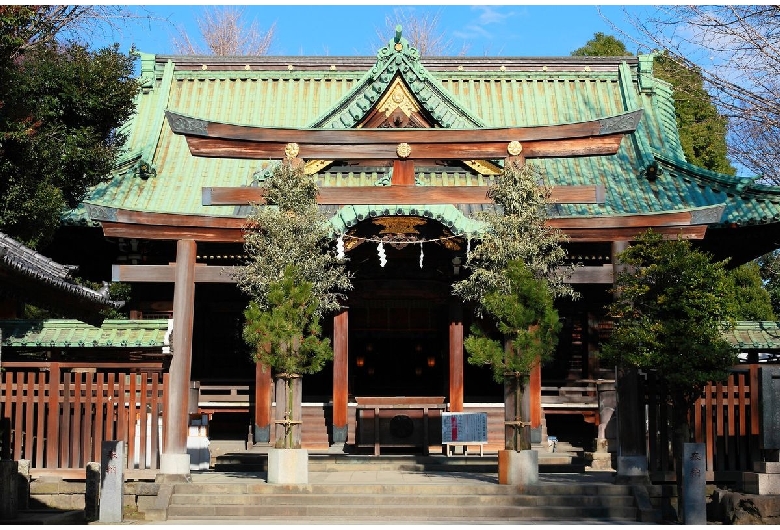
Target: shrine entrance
(399, 311)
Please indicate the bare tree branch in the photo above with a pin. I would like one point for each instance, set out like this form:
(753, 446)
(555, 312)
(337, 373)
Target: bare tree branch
(737, 50)
(225, 33)
(421, 29)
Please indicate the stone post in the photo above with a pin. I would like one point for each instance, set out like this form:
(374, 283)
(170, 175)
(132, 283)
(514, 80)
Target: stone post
(694, 484)
(23, 485)
(9, 469)
(112, 481)
(92, 492)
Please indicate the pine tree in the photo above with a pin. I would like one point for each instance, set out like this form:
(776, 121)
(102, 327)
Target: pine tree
(294, 279)
(514, 276)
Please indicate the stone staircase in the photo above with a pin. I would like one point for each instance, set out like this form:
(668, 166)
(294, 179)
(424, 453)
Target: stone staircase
(405, 489)
(395, 503)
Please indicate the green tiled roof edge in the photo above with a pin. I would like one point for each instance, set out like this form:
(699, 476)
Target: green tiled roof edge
(68, 333)
(758, 335)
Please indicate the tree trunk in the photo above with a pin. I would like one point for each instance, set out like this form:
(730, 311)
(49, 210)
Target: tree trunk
(288, 411)
(517, 433)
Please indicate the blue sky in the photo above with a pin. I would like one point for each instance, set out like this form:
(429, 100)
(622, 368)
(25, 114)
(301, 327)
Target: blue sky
(319, 29)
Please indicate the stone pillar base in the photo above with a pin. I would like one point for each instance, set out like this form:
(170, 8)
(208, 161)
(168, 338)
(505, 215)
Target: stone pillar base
(518, 467)
(340, 434)
(288, 466)
(175, 464)
(262, 435)
(632, 469)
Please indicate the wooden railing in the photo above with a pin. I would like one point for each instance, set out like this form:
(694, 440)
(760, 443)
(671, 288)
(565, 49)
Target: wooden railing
(60, 413)
(725, 418)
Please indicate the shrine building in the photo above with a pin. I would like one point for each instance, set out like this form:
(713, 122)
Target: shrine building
(403, 149)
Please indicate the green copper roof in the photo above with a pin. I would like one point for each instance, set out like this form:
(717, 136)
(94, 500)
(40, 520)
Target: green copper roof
(747, 335)
(76, 334)
(158, 174)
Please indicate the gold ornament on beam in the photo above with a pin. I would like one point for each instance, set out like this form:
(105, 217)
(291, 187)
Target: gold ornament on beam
(291, 150)
(403, 150)
(514, 148)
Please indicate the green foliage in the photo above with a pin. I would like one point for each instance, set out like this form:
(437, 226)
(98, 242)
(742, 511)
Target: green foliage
(751, 300)
(60, 106)
(769, 266)
(287, 336)
(291, 230)
(524, 317)
(701, 127)
(673, 303)
(293, 276)
(602, 45)
(516, 231)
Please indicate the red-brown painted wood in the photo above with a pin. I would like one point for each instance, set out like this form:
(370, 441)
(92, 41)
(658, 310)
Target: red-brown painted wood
(456, 357)
(263, 392)
(535, 395)
(53, 416)
(399, 193)
(340, 367)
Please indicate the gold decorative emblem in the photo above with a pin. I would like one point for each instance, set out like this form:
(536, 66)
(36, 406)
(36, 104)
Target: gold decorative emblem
(247, 67)
(290, 67)
(514, 148)
(403, 150)
(204, 67)
(398, 46)
(400, 225)
(291, 150)
(398, 97)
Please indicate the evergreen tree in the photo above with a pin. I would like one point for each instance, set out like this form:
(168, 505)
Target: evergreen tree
(513, 279)
(60, 107)
(752, 301)
(672, 307)
(294, 279)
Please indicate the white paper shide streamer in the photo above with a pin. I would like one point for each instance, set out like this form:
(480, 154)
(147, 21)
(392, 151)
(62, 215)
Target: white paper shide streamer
(380, 250)
(421, 255)
(340, 247)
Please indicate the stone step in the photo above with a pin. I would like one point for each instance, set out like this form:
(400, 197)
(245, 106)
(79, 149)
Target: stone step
(431, 512)
(263, 488)
(558, 462)
(470, 500)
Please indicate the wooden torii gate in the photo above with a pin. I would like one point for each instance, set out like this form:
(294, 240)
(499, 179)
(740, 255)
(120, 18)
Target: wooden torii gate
(403, 146)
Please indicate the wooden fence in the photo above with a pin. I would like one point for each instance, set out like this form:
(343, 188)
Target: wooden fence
(725, 418)
(59, 414)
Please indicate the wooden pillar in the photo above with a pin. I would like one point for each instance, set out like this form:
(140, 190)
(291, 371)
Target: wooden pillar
(535, 399)
(176, 417)
(456, 356)
(263, 391)
(632, 459)
(340, 376)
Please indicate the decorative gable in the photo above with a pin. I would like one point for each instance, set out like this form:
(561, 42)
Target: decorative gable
(398, 74)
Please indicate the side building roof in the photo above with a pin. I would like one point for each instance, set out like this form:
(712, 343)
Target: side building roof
(31, 277)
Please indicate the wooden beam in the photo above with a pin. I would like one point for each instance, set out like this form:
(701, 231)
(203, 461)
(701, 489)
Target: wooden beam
(621, 123)
(226, 274)
(242, 149)
(166, 273)
(173, 233)
(227, 196)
